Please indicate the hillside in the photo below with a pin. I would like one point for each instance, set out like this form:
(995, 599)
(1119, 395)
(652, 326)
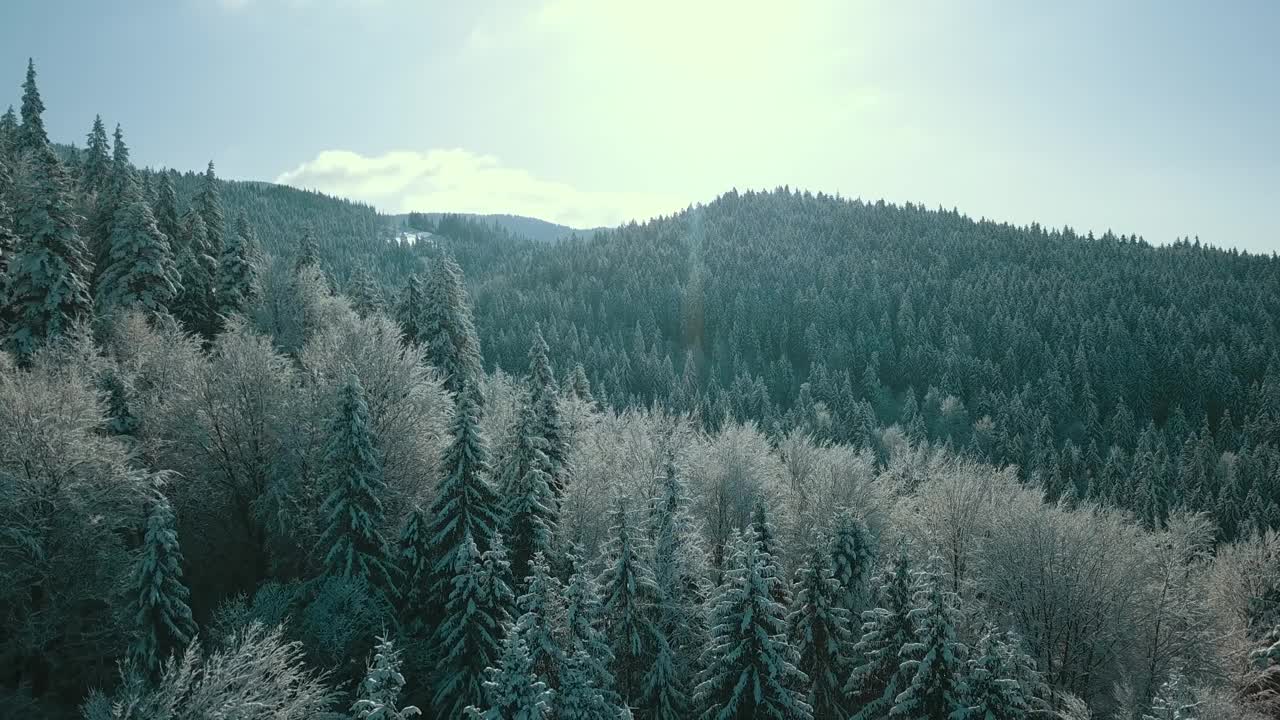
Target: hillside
(531, 228)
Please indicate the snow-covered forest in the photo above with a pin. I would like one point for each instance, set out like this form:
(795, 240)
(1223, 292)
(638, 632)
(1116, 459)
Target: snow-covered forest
(752, 460)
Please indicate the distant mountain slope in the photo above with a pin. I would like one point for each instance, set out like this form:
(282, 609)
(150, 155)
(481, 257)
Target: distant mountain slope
(529, 227)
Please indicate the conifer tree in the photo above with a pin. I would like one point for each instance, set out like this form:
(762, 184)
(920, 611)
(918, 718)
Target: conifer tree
(851, 555)
(446, 330)
(48, 275)
(934, 661)
(530, 511)
(584, 622)
(541, 620)
(193, 306)
(32, 136)
(95, 174)
(514, 690)
(470, 635)
(308, 250)
(764, 535)
(749, 666)
(164, 619)
(365, 293)
(410, 310)
(819, 629)
(629, 592)
(139, 271)
(679, 571)
(544, 402)
(994, 691)
(9, 131)
(665, 686)
(352, 538)
(465, 504)
(119, 189)
(235, 279)
(877, 677)
(208, 202)
(413, 571)
(577, 696)
(8, 237)
(379, 692)
(166, 211)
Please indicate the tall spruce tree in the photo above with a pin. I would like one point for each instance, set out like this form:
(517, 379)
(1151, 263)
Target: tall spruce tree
(530, 511)
(666, 694)
(852, 556)
(410, 310)
(194, 304)
(584, 619)
(934, 661)
(366, 294)
(544, 401)
(877, 677)
(766, 536)
(819, 629)
(470, 636)
(163, 618)
(139, 271)
(352, 539)
(48, 275)
(749, 668)
(379, 692)
(513, 689)
(308, 250)
(630, 593)
(235, 278)
(413, 572)
(465, 505)
(208, 202)
(446, 330)
(32, 135)
(9, 132)
(577, 696)
(994, 691)
(542, 621)
(95, 173)
(166, 210)
(680, 569)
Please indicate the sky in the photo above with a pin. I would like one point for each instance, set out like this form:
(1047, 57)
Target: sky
(1160, 118)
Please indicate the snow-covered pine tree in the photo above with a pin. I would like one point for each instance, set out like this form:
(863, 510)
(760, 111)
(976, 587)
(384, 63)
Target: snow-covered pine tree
(469, 637)
(680, 569)
(465, 504)
(140, 271)
(499, 584)
(164, 618)
(770, 548)
(819, 629)
(95, 172)
(208, 202)
(235, 279)
(166, 211)
(530, 508)
(411, 308)
(630, 592)
(447, 332)
(121, 188)
(513, 689)
(365, 293)
(31, 135)
(48, 276)
(852, 556)
(352, 538)
(578, 385)
(544, 402)
(577, 697)
(666, 694)
(877, 676)
(308, 250)
(994, 693)
(413, 571)
(584, 621)
(749, 667)
(194, 304)
(934, 662)
(8, 237)
(541, 621)
(379, 692)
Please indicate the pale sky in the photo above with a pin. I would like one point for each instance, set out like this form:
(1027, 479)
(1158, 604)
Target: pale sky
(1156, 118)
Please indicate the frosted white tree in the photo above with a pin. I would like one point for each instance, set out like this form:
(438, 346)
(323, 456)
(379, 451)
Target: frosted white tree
(379, 692)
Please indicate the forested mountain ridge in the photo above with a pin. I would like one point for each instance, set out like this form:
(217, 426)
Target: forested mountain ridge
(910, 466)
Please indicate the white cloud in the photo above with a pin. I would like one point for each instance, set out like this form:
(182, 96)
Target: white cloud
(462, 181)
